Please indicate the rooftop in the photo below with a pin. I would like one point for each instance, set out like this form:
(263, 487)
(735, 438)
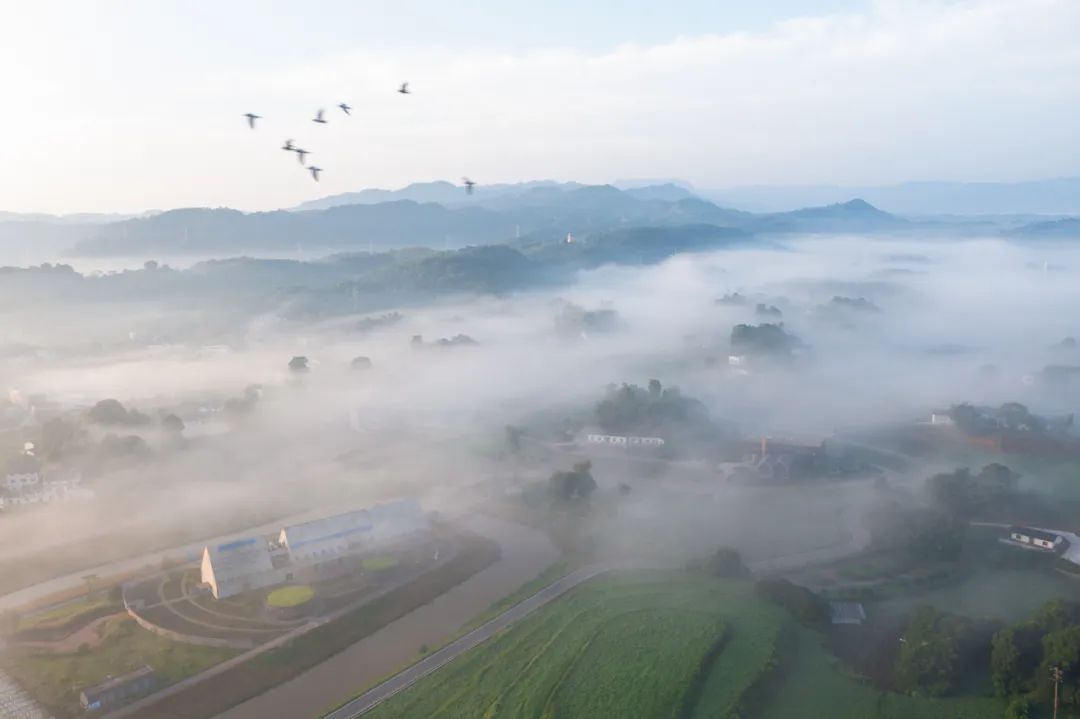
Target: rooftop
(239, 558)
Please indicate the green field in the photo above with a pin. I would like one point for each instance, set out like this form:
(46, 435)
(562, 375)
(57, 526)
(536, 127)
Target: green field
(55, 679)
(292, 596)
(667, 645)
(378, 562)
(636, 645)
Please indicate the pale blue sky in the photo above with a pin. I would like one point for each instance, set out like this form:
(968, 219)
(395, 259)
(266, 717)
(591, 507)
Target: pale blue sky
(130, 104)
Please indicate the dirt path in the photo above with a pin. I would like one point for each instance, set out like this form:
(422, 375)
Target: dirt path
(87, 635)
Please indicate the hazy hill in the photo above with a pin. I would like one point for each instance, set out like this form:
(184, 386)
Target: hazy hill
(851, 216)
(389, 224)
(442, 192)
(541, 212)
(1055, 196)
(1064, 229)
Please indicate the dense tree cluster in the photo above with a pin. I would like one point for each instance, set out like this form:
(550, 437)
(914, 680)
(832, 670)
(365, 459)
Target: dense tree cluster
(1012, 417)
(574, 320)
(937, 649)
(764, 340)
(802, 603)
(859, 304)
(657, 410)
(963, 493)
(926, 534)
(573, 485)
(764, 310)
(110, 412)
(1023, 656)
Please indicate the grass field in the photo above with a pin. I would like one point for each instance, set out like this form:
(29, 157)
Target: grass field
(636, 645)
(669, 645)
(55, 679)
(378, 562)
(292, 596)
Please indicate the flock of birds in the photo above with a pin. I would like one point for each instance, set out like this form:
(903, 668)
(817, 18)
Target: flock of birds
(320, 118)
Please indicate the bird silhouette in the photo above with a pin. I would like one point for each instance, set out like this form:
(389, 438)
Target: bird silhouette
(319, 117)
(251, 118)
(288, 145)
(315, 172)
(345, 108)
(404, 89)
(301, 154)
(469, 185)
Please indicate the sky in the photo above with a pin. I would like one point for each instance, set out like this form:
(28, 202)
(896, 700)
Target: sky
(127, 105)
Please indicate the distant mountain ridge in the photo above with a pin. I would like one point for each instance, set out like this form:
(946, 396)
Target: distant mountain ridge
(1046, 197)
(539, 212)
(1064, 229)
(531, 212)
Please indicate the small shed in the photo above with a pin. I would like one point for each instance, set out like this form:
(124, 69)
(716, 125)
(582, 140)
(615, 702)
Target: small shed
(846, 613)
(116, 691)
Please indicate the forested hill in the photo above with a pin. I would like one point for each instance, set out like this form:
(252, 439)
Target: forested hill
(539, 213)
(347, 281)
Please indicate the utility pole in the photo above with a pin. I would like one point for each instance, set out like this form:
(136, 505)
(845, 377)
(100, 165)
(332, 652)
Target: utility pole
(1055, 672)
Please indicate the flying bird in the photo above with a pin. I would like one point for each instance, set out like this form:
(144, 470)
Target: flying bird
(345, 108)
(301, 153)
(288, 146)
(404, 89)
(319, 117)
(251, 118)
(469, 185)
(315, 172)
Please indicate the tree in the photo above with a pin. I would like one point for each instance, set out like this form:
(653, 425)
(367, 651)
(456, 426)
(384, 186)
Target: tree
(928, 654)
(57, 436)
(299, 365)
(172, 423)
(575, 485)
(108, 411)
(1018, 708)
(726, 562)
(1061, 649)
(1005, 663)
(802, 603)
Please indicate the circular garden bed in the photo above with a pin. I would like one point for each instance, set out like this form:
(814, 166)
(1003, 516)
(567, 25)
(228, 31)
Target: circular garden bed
(291, 602)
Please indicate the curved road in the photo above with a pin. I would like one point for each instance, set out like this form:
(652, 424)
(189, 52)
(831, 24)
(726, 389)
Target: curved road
(153, 559)
(525, 552)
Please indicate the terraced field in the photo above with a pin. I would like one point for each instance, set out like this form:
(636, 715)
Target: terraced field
(636, 645)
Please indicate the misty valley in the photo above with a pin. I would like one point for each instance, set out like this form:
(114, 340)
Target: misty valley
(739, 465)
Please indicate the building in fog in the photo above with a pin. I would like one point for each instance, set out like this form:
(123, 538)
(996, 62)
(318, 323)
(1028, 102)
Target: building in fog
(325, 538)
(623, 441)
(238, 566)
(309, 551)
(1037, 538)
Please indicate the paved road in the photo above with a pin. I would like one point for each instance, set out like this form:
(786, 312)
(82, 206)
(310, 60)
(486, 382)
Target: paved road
(377, 695)
(525, 552)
